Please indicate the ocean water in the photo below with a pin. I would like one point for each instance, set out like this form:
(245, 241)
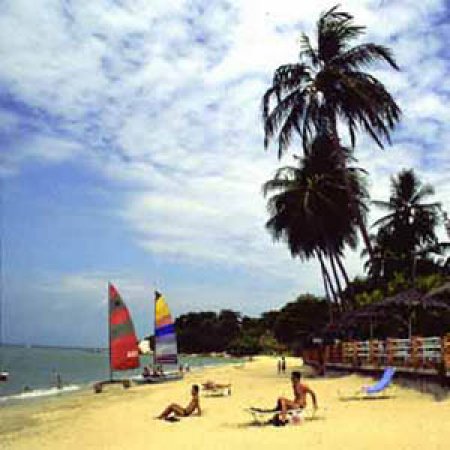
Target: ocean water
(32, 370)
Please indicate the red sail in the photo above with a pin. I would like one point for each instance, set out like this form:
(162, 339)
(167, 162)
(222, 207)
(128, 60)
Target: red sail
(123, 343)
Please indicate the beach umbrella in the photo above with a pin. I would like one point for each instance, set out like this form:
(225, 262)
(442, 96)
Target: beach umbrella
(365, 315)
(410, 299)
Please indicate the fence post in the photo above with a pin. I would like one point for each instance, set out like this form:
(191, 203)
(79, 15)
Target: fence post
(416, 343)
(446, 351)
(390, 350)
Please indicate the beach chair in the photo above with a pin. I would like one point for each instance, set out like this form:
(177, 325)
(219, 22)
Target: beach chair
(377, 390)
(296, 416)
(216, 390)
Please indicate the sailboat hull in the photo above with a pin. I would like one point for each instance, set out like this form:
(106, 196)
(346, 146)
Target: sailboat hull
(156, 380)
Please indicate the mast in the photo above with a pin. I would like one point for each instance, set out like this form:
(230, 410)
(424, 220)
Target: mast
(154, 329)
(109, 333)
(2, 304)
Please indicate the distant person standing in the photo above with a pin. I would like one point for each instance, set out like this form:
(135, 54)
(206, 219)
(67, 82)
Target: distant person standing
(283, 364)
(57, 379)
(279, 366)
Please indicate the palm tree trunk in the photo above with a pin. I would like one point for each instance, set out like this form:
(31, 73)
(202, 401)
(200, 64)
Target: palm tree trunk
(328, 287)
(343, 271)
(327, 293)
(346, 278)
(364, 233)
(327, 276)
(336, 277)
(354, 209)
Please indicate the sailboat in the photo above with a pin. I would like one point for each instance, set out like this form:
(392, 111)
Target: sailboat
(123, 343)
(165, 351)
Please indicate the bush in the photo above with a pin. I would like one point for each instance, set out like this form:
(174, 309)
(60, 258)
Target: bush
(244, 345)
(428, 282)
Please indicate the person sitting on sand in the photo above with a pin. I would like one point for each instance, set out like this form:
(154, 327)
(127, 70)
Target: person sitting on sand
(300, 391)
(179, 411)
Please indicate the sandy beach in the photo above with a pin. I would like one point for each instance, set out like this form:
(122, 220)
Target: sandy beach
(123, 419)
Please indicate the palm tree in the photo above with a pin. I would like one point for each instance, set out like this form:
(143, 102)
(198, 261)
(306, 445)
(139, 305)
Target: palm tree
(379, 266)
(328, 85)
(410, 225)
(307, 206)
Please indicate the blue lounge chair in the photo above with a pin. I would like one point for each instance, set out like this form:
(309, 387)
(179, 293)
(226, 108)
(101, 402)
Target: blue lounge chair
(377, 390)
(382, 384)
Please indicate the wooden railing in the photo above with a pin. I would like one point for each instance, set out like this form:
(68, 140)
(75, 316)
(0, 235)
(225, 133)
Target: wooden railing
(415, 353)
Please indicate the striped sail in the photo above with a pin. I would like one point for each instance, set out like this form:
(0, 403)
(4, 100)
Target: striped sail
(165, 336)
(123, 344)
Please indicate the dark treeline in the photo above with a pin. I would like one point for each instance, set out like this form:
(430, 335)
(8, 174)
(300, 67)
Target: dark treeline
(287, 329)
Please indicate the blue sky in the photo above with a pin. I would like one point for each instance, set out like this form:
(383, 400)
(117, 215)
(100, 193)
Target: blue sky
(131, 151)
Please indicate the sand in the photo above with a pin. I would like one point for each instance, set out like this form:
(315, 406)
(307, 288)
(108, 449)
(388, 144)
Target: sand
(123, 419)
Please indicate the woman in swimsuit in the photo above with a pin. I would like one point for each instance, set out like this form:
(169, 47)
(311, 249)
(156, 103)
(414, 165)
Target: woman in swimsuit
(179, 411)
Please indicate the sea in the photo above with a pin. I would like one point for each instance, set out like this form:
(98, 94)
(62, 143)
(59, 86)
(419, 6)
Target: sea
(34, 371)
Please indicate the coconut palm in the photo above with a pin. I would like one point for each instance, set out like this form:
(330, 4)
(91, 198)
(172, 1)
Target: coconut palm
(379, 266)
(410, 225)
(327, 85)
(308, 206)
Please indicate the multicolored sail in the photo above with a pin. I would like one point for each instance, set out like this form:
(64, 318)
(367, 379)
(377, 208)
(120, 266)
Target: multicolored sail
(123, 344)
(165, 336)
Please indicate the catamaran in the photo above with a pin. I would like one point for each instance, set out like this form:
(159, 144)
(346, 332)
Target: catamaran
(123, 343)
(165, 352)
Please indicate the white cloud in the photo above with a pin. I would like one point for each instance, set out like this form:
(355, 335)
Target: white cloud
(166, 98)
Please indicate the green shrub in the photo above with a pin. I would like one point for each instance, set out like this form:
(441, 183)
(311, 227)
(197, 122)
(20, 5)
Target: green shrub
(427, 282)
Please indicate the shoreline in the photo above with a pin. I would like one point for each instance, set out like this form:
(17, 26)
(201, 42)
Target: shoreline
(123, 418)
(41, 394)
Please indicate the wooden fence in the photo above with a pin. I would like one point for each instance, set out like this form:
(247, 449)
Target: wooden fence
(417, 353)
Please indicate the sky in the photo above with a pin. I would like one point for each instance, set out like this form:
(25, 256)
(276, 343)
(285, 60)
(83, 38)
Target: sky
(131, 151)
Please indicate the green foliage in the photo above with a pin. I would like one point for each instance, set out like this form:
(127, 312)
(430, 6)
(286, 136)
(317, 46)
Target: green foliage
(309, 203)
(207, 331)
(406, 241)
(273, 332)
(427, 282)
(299, 320)
(330, 83)
(397, 284)
(244, 345)
(269, 345)
(367, 298)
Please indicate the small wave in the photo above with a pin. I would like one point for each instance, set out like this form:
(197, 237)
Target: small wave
(36, 393)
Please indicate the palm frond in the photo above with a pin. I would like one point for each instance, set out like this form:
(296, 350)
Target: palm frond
(422, 192)
(364, 54)
(274, 119)
(307, 51)
(335, 29)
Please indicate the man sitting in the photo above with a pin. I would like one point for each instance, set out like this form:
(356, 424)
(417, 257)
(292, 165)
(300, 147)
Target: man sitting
(299, 402)
(178, 411)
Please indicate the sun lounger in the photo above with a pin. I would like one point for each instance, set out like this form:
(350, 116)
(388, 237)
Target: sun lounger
(263, 416)
(378, 390)
(220, 390)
